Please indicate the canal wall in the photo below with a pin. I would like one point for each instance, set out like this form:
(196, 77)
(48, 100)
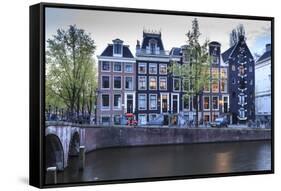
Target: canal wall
(104, 137)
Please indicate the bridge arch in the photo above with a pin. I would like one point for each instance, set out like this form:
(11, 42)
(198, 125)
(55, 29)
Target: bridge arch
(54, 152)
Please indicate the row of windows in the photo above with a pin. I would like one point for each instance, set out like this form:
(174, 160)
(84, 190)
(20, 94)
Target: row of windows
(117, 66)
(142, 101)
(117, 82)
(105, 101)
(152, 68)
(241, 68)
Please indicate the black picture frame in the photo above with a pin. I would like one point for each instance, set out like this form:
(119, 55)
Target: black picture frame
(37, 92)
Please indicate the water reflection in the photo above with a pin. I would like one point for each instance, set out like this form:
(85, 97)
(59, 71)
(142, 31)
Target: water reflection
(172, 160)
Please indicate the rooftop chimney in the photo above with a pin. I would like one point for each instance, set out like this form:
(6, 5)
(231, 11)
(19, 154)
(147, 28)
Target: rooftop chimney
(268, 47)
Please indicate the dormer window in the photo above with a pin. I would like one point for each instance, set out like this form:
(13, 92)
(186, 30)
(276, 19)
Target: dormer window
(117, 47)
(153, 46)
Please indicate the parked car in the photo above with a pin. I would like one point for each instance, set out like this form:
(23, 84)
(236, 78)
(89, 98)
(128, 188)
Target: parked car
(219, 122)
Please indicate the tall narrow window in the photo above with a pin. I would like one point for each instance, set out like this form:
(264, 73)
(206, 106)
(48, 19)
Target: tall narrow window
(215, 102)
(117, 82)
(105, 101)
(142, 101)
(176, 84)
(105, 82)
(129, 67)
(153, 102)
(163, 83)
(186, 102)
(152, 83)
(105, 66)
(163, 69)
(206, 101)
(152, 68)
(142, 68)
(128, 82)
(142, 83)
(117, 101)
(117, 67)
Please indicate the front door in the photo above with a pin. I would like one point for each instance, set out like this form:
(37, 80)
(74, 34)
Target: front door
(130, 103)
(175, 103)
(164, 103)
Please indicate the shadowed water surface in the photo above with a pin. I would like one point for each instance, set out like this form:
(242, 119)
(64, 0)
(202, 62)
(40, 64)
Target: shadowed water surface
(169, 160)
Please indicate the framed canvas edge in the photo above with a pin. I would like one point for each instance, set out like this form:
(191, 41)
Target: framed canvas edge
(34, 89)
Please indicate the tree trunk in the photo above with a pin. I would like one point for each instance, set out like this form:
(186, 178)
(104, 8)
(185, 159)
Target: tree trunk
(197, 111)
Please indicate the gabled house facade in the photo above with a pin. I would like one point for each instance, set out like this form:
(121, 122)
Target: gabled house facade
(116, 83)
(241, 81)
(153, 85)
(263, 85)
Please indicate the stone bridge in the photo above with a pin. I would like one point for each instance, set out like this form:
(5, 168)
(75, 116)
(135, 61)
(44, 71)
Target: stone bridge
(63, 140)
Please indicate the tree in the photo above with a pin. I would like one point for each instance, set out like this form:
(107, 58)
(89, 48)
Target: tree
(70, 70)
(235, 34)
(196, 72)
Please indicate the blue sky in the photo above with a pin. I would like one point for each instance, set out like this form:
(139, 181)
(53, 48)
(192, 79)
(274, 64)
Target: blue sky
(106, 26)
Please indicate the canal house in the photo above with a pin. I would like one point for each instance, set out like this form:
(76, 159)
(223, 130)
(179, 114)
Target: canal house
(241, 81)
(154, 84)
(116, 83)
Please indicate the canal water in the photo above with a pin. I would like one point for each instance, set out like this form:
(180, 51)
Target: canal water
(169, 160)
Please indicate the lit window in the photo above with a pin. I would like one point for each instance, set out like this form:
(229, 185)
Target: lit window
(117, 67)
(215, 73)
(153, 102)
(142, 101)
(206, 102)
(163, 83)
(117, 101)
(176, 84)
(142, 68)
(224, 86)
(152, 83)
(128, 83)
(142, 83)
(152, 68)
(215, 102)
(105, 82)
(105, 101)
(215, 86)
(117, 82)
(223, 73)
(105, 66)
(163, 68)
(129, 67)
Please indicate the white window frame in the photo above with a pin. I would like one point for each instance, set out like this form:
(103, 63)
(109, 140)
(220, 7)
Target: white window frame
(131, 64)
(168, 100)
(120, 82)
(102, 116)
(208, 109)
(121, 52)
(174, 84)
(155, 83)
(102, 66)
(188, 109)
(150, 65)
(109, 101)
(178, 101)
(145, 95)
(144, 115)
(142, 63)
(109, 81)
(150, 101)
(114, 67)
(161, 77)
(166, 65)
(120, 107)
(125, 77)
(145, 82)
(217, 103)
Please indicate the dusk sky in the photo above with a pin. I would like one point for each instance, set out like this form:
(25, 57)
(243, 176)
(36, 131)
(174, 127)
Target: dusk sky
(104, 26)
